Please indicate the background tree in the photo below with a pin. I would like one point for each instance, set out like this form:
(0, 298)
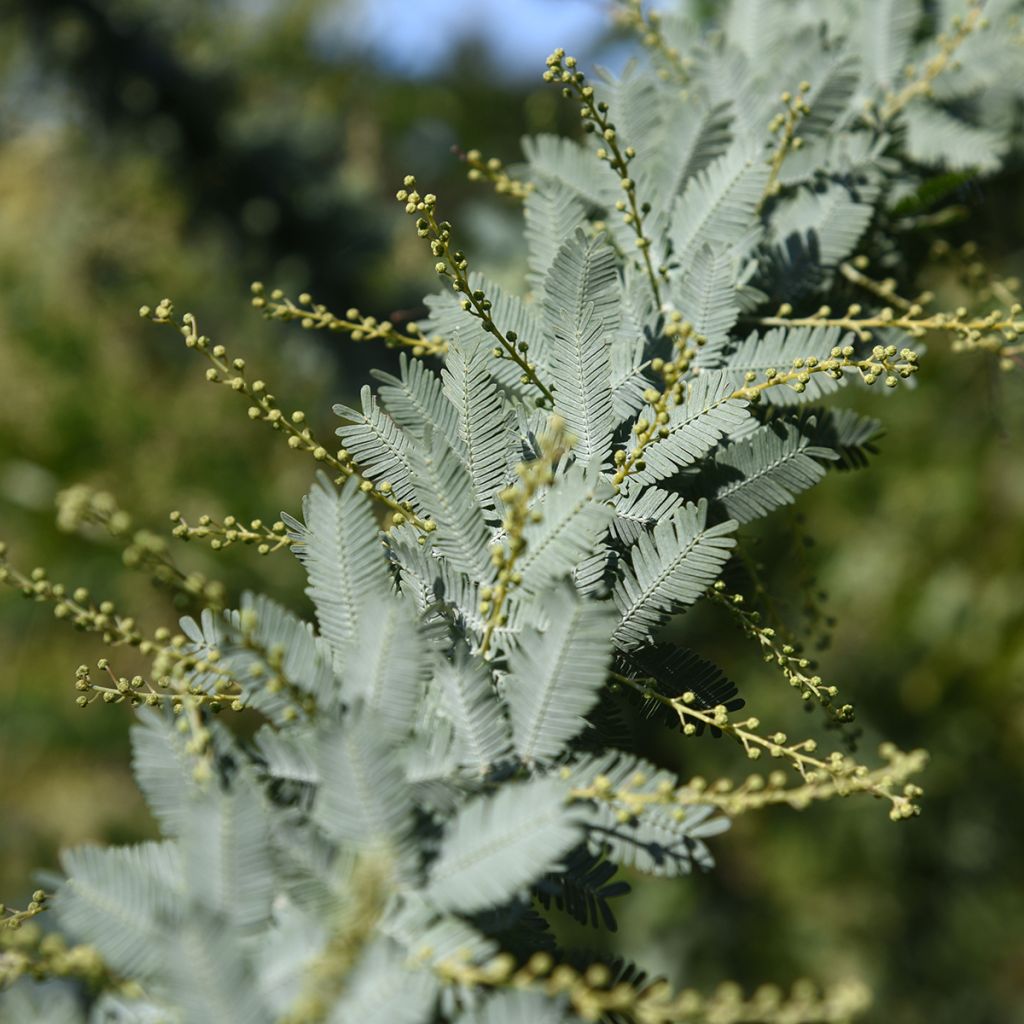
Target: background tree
(160, 192)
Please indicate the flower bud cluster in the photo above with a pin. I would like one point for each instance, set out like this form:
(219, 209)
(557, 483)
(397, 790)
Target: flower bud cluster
(186, 679)
(138, 690)
(232, 373)
(595, 994)
(562, 70)
(520, 509)
(11, 918)
(29, 952)
(493, 170)
(885, 363)
(221, 535)
(653, 423)
(647, 26)
(784, 125)
(795, 668)
(75, 605)
(836, 774)
(453, 267)
(314, 316)
(921, 80)
(80, 507)
(997, 331)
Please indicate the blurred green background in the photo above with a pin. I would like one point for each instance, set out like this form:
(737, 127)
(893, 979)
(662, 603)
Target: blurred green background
(187, 147)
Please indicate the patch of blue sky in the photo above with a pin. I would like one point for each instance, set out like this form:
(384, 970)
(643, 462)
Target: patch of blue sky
(413, 38)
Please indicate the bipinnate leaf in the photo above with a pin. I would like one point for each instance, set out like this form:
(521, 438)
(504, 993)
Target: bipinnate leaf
(287, 755)
(572, 517)
(469, 700)
(500, 842)
(556, 674)
(482, 419)
(379, 446)
(719, 205)
(669, 569)
(848, 433)
(583, 889)
(696, 137)
(386, 667)
(121, 899)
(552, 213)
(445, 489)
(384, 988)
(885, 34)
(762, 472)
(695, 428)
(340, 546)
(565, 162)
(640, 509)
(227, 854)
(581, 300)
(208, 970)
(416, 401)
(163, 770)
(707, 297)
(363, 799)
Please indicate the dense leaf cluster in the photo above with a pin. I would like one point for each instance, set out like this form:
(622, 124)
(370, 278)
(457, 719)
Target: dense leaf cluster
(442, 758)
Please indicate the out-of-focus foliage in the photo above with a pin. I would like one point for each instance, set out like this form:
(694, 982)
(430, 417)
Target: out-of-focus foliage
(181, 149)
(103, 209)
(922, 558)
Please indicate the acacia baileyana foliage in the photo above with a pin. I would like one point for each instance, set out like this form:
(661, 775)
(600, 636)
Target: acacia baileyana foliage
(445, 759)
